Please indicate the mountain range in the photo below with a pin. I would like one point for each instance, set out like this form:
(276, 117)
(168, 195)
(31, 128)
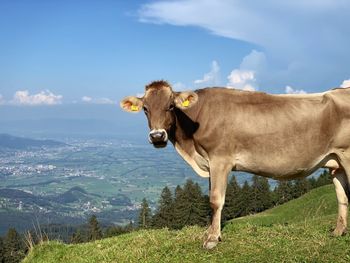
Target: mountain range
(21, 143)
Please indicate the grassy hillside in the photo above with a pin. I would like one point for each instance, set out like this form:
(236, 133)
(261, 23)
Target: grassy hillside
(298, 231)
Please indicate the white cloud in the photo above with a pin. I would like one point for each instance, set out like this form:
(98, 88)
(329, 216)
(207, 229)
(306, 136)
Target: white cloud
(104, 101)
(245, 77)
(87, 99)
(345, 84)
(46, 97)
(290, 90)
(298, 36)
(212, 77)
(268, 23)
(255, 60)
(242, 79)
(2, 101)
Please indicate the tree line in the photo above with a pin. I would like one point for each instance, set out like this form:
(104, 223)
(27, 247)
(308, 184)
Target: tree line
(186, 205)
(189, 206)
(12, 247)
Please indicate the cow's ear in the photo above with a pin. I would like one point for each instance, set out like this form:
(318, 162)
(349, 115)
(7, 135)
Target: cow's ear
(131, 104)
(186, 99)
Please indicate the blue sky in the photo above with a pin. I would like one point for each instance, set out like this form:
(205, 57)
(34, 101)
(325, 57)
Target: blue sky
(96, 52)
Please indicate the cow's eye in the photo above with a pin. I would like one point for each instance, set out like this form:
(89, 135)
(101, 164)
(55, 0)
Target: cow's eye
(145, 109)
(171, 107)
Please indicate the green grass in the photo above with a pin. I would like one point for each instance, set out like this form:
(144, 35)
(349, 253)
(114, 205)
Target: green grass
(298, 231)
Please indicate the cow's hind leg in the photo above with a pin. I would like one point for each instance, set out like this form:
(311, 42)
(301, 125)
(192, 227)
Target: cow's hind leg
(218, 180)
(340, 181)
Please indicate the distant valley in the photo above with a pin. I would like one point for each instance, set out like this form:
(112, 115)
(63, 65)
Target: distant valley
(65, 182)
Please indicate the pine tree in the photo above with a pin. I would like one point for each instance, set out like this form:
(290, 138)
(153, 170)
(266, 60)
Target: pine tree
(323, 179)
(284, 192)
(13, 247)
(200, 206)
(145, 216)
(231, 207)
(178, 192)
(94, 231)
(312, 182)
(190, 206)
(165, 212)
(261, 195)
(179, 208)
(301, 186)
(209, 214)
(245, 200)
(2, 251)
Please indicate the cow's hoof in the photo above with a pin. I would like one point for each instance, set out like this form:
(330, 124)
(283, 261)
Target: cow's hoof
(210, 244)
(339, 232)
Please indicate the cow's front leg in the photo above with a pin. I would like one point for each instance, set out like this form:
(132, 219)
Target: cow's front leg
(218, 181)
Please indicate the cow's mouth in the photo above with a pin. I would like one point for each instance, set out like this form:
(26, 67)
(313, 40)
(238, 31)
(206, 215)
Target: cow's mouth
(160, 144)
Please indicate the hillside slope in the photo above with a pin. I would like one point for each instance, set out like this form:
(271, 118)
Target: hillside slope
(298, 231)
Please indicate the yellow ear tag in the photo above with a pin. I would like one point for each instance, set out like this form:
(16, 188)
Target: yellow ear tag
(186, 103)
(134, 108)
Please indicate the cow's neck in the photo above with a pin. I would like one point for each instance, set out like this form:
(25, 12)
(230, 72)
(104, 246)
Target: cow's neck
(181, 136)
(184, 128)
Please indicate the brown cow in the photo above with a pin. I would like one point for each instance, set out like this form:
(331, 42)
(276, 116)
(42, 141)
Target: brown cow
(218, 130)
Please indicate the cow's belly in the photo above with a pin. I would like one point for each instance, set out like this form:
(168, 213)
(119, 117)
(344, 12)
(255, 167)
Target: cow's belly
(279, 167)
(276, 171)
(285, 173)
(284, 154)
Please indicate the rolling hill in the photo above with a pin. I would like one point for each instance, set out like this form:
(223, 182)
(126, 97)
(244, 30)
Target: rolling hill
(21, 143)
(298, 231)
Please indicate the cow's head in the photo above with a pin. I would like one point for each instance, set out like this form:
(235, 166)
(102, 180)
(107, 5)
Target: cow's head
(159, 103)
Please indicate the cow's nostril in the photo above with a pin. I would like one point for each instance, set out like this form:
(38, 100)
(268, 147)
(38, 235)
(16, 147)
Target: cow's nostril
(157, 136)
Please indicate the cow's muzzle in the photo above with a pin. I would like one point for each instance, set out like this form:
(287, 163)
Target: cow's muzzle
(158, 138)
